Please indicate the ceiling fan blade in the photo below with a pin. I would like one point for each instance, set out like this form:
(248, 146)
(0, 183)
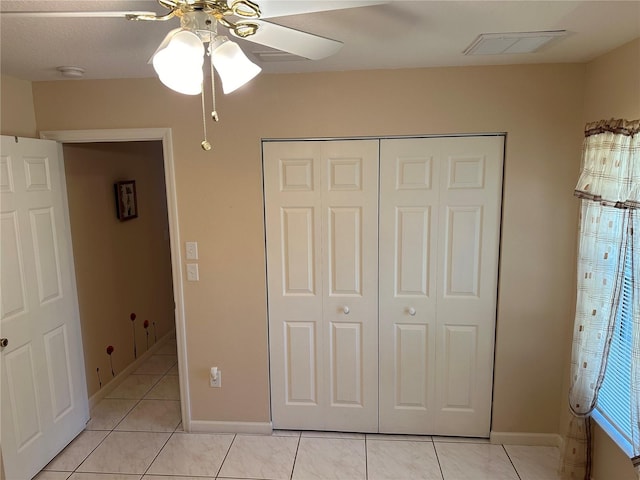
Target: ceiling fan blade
(281, 8)
(94, 14)
(293, 41)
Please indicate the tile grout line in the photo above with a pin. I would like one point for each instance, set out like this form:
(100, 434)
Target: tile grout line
(85, 458)
(158, 454)
(511, 461)
(366, 460)
(225, 456)
(138, 402)
(126, 415)
(295, 456)
(110, 431)
(435, 450)
(105, 437)
(81, 461)
(143, 395)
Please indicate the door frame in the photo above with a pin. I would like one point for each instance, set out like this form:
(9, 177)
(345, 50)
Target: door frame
(164, 135)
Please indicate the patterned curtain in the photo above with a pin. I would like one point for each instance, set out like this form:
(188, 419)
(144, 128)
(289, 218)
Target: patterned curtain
(609, 187)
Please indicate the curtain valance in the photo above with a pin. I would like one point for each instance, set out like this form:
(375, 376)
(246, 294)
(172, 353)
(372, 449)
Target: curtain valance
(609, 175)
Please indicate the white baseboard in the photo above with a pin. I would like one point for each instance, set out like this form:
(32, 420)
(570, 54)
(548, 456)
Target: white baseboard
(205, 426)
(523, 438)
(128, 370)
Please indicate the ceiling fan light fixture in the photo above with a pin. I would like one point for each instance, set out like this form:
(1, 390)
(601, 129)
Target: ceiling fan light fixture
(179, 64)
(185, 82)
(233, 66)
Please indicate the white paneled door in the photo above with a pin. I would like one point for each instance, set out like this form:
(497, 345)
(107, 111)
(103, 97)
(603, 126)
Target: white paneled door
(44, 396)
(322, 237)
(440, 203)
(418, 309)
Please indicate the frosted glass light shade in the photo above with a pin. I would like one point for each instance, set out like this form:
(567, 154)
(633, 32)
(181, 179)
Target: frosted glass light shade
(179, 64)
(233, 66)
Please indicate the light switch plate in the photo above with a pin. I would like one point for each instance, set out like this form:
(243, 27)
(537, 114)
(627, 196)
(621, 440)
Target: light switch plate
(192, 250)
(192, 272)
(217, 383)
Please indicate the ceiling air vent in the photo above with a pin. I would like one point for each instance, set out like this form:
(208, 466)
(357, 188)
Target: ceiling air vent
(511, 43)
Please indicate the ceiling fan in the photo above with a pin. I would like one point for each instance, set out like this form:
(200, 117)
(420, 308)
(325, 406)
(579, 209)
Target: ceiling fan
(179, 59)
(243, 18)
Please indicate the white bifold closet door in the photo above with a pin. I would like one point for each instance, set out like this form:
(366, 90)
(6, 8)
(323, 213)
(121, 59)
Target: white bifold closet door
(321, 206)
(440, 203)
(396, 337)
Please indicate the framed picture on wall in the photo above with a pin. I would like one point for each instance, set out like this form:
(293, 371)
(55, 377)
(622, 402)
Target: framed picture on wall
(126, 200)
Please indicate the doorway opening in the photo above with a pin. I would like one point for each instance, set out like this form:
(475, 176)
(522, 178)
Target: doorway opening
(160, 141)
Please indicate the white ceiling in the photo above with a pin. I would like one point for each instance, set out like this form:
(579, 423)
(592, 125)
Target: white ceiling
(397, 34)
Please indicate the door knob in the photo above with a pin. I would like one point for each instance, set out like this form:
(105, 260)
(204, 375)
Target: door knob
(412, 311)
(4, 342)
(346, 310)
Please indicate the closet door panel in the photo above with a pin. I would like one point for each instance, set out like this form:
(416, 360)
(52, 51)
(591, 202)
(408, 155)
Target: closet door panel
(346, 368)
(345, 251)
(468, 236)
(322, 228)
(298, 262)
(439, 236)
(408, 221)
(350, 263)
(300, 363)
(293, 228)
(461, 251)
(413, 230)
(459, 359)
(410, 364)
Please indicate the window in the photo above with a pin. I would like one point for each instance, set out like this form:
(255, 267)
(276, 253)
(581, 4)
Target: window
(614, 398)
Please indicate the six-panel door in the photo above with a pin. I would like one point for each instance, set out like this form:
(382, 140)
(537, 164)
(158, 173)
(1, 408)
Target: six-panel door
(44, 395)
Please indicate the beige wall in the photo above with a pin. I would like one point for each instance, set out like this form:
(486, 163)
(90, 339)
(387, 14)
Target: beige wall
(17, 115)
(121, 267)
(220, 205)
(612, 87)
(612, 90)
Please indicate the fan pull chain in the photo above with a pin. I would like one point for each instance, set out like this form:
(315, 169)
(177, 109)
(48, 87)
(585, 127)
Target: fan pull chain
(214, 115)
(204, 144)
(214, 112)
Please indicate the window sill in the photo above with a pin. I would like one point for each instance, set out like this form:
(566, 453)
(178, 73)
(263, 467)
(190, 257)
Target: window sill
(610, 430)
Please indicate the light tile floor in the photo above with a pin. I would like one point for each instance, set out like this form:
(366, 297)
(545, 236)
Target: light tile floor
(135, 434)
